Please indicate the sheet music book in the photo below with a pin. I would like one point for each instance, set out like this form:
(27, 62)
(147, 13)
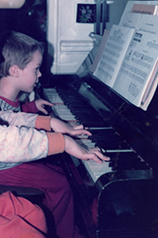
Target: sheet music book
(141, 22)
(100, 50)
(129, 64)
(145, 9)
(113, 53)
(130, 4)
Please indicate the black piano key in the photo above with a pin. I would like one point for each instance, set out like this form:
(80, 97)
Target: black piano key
(84, 113)
(108, 139)
(126, 161)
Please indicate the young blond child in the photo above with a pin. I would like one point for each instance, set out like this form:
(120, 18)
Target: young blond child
(20, 61)
(29, 137)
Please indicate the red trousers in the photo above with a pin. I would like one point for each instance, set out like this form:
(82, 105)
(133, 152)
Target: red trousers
(20, 218)
(52, 181)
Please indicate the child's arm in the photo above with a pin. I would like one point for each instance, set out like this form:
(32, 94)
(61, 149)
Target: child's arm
(40, 103)
(76, 150)
(26, 119)
(26, 144)
(19, 118)
(35, 106)
(42, 123)
(53, 146)
(62, 127)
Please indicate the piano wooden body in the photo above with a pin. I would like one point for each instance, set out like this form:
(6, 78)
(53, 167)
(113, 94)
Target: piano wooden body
(125, 190)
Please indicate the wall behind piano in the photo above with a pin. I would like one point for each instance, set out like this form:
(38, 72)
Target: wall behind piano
(69, 25)
(115, 8)
(29, 19)
(68, 33)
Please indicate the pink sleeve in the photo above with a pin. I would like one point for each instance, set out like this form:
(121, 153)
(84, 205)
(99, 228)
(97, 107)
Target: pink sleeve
(20, 218)
(43, 123)
(30, 107)
(56, 143)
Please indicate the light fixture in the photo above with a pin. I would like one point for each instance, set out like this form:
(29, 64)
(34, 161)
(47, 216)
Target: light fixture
(11, 3)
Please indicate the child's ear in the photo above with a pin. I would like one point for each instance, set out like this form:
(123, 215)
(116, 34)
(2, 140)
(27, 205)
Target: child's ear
(14, 70)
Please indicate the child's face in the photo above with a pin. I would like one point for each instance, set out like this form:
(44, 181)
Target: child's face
(29, 76)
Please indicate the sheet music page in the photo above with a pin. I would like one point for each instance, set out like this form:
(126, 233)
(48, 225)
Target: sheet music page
(130, 4)
(138, 67)
(150, 90)
(145, 9)
(141, 22)
(100, 50)
(113, 54)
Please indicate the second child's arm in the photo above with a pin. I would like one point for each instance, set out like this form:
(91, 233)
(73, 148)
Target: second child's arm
(74, 149)
(42, 123)
(21, 142)
(35, 106)
(66, 128)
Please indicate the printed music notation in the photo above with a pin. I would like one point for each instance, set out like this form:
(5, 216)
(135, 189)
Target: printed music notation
(129, 60)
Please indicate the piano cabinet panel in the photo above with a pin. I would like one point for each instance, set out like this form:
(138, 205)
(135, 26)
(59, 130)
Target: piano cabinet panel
(128, 209)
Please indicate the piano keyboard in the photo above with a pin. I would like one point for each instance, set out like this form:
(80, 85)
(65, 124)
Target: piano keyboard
(103, 135)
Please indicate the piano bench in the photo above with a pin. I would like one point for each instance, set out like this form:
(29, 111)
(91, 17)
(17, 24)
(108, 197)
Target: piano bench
(34, 195)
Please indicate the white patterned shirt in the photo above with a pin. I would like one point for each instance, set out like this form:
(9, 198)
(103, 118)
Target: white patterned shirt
(20, 142)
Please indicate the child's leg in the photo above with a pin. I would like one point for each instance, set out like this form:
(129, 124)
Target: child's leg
(53, 182)
(20, 218)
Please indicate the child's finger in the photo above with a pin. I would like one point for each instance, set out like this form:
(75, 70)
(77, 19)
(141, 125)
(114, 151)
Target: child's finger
(48, 103)
(43, 110)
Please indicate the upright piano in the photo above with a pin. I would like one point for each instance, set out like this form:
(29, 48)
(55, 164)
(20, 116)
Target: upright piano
(123, 193)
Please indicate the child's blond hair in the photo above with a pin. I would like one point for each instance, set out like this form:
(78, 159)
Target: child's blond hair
(17, 49)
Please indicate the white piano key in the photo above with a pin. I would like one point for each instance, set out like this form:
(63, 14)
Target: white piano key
(64, 113)
(96, 170)
(88, 143)
(100, 128)
(119, 150)
(52, 95)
